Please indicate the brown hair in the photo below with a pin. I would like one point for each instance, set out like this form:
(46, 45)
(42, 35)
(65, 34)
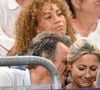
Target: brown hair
(27, 22)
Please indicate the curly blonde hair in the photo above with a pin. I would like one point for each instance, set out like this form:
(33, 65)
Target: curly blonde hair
(27, 22)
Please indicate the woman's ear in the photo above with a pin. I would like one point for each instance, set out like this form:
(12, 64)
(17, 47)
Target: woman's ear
(76, 4)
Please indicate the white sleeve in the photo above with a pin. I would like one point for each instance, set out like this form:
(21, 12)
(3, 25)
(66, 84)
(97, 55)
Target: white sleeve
(6, 44)
(2, 15)
(6, 79)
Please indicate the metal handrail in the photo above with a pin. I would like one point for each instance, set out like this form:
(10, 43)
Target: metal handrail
(33, 60)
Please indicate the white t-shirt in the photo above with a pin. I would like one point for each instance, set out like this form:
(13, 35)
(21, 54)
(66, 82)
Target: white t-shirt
(14, 77)
(6, 44)
(9, 11)
(94, 37)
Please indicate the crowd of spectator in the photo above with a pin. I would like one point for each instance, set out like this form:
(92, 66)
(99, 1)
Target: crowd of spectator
(66, 32)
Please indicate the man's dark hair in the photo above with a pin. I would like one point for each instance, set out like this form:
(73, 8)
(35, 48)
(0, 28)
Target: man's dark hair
(71, 7)
(45, 43)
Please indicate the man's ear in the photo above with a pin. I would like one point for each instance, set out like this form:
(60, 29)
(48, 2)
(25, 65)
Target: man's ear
(38, 29)
(69, 67)
(76, 4)
(45, 55)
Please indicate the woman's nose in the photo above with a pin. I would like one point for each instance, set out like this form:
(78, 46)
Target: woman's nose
(57, 19)
(88, 74)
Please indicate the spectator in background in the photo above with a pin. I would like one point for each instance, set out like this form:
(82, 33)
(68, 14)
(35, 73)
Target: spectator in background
(83, 61)
(41, 15)
(85, 14)
(46, 44)
(9, 10)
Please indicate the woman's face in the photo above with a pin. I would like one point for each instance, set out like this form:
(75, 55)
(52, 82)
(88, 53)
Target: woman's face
(84, 71)
(52, 19)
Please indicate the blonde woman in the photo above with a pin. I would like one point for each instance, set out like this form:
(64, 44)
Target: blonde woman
(83, 60)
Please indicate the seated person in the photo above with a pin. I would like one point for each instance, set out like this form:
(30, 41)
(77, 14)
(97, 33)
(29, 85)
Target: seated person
(49, 45)
(83, 60)
(86, 19)
(38, 16)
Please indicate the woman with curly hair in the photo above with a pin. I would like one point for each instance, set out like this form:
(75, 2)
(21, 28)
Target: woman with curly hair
(41, 15)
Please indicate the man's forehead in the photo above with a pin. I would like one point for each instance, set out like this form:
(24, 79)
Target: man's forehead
(62, 45)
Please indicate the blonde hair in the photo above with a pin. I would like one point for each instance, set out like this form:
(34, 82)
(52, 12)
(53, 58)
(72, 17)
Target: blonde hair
(27, 22)
(80, 48)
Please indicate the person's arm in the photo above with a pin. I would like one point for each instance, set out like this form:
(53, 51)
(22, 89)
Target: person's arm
(12, 51)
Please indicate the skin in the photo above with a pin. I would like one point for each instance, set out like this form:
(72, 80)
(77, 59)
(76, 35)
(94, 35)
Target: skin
(87, 12)
(87, 7)
(60, 62)
(83, 72)
(52, 18)
(20, 2)
(90, 6)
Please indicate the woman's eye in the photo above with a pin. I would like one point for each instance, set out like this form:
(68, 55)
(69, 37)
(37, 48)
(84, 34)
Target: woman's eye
(81, 68)
(93, 69)
(59, 13)
(47, 17)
